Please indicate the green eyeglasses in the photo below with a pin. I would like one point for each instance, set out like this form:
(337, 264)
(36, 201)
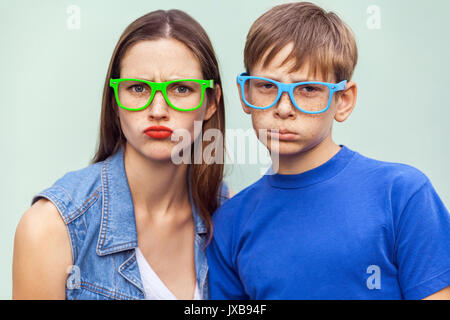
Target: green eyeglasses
(181, 95)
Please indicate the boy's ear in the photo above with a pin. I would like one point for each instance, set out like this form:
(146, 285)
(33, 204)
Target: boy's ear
(346, 101)
(212, 105)
(246, 108)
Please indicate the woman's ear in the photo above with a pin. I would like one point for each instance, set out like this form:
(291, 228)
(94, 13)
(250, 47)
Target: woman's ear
(345, 102)
(212, 105)
(246, 108)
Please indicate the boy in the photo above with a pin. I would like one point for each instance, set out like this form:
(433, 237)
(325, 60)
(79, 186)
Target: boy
(331, 223)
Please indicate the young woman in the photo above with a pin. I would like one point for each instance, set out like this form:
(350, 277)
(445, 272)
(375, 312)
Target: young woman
(134, 224)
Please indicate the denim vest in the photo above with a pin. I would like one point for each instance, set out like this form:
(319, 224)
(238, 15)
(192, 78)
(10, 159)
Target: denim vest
(96, 205)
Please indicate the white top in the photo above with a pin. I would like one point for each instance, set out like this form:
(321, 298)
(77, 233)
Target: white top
(154, 288)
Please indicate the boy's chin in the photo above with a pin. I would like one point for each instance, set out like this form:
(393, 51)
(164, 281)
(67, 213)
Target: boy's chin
(285, 148)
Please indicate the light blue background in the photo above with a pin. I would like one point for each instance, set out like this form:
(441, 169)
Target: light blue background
(52, 80)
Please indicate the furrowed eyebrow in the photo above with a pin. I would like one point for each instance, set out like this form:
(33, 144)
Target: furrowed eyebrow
(136, 78)
(303, 80)
(277, 79)
(152, 80)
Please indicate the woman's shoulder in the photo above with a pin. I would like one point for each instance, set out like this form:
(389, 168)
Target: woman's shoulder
(73, 190)
(41, 222)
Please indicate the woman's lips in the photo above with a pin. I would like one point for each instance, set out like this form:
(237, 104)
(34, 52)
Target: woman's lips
(158, 132)
(282, 135)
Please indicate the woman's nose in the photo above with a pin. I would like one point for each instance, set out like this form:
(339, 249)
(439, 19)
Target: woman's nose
(158, 108)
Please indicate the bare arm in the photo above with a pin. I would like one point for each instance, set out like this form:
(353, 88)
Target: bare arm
(42, 254)
(443, 294)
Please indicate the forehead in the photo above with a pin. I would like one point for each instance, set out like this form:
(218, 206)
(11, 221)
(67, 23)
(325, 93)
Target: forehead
(161, 58)
(284, 65)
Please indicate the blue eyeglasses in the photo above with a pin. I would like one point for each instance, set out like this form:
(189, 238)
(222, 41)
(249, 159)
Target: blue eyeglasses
(310, 97)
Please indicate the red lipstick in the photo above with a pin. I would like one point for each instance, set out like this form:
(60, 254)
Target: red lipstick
(158, 132)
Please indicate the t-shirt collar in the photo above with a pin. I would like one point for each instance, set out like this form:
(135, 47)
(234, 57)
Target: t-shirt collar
(321, 173)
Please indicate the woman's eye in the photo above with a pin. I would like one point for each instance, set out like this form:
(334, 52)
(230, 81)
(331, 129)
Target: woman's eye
(309, 89)
(138, 88)
(182, 89)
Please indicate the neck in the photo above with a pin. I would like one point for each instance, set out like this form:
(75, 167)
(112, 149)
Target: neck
(307, 159)
(157, 187)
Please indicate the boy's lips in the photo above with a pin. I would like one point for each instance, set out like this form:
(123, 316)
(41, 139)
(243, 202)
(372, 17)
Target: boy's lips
(282, 135)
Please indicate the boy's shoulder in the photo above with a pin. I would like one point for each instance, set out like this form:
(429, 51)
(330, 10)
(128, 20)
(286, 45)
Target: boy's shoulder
(393, 183)
(386, 173)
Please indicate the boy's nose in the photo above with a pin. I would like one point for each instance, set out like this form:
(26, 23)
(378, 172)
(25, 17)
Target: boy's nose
(158, 109)
(284, 108)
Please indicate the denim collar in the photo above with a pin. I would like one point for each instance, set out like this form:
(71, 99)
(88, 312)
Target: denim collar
(118, 224)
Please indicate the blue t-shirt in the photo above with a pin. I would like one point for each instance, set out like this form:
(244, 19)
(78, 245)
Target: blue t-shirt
(352, 228)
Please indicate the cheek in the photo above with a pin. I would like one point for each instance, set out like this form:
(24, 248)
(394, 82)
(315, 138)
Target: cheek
(317, 127)
(261, 119)
(190, 121)
(194, 120)
(127, 118)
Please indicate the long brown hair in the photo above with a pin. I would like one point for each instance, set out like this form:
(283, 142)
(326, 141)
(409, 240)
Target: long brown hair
(205, 178)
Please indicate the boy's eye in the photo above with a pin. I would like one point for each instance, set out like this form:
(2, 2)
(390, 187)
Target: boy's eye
(265, 85)
(309, 89)
(268, 86)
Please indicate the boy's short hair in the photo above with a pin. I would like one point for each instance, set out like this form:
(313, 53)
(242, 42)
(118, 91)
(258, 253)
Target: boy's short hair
(319, 37)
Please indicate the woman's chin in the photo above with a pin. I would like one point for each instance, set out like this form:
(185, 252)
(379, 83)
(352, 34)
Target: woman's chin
(158, 153)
